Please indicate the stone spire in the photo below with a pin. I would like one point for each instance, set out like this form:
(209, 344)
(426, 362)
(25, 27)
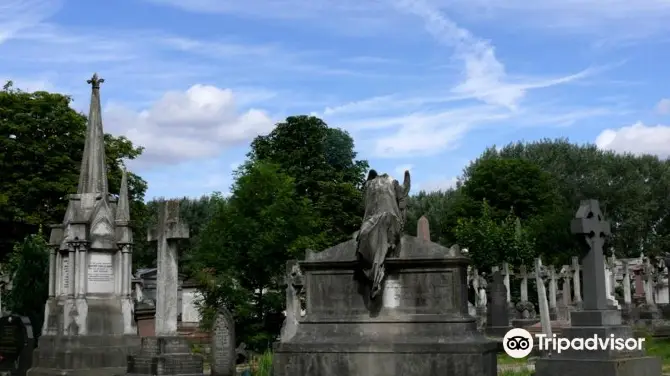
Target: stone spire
(123, 205)
(93, 175)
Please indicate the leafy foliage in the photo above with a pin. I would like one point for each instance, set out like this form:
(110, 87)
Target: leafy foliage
(243, 249)
(491, 242)
(28, 266)
(322, 162)
(41, 140)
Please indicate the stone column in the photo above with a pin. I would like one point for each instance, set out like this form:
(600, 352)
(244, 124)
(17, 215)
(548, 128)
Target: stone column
(59, 273)
(52, 272)
(627, 297)
(71, 270)
(82, 269)
(168, 231)
(125, 270)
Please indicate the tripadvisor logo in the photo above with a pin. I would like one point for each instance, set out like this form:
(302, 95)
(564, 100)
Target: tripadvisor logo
(518, 343)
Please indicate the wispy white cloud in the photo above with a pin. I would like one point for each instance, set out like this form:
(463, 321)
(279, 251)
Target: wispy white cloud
(19, 15)
(663, 106)
(608, 19)
(485, 77)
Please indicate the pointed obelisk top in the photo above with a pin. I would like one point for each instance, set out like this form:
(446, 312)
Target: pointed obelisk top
(123, 205)
(93, 174)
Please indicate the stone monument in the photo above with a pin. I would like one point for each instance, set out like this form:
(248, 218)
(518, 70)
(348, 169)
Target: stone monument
(596, 318)
(417, 322)
(497, 322)
(223, 352)
(17, 344)
(167, 353)
(88, 320)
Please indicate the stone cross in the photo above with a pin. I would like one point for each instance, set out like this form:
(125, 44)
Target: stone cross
(507, 273)
(545, 320)
(627, 298)
(166, 234)
(576, 281)
(423, 229)
(524, 283)
(649, 282)
(590, 223)
(553, 288)
(567, 276)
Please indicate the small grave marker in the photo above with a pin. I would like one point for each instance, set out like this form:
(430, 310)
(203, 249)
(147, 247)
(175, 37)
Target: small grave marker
(16, 344)
(224, 355)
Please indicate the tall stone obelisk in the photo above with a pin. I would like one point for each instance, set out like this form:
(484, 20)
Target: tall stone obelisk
(88, 325)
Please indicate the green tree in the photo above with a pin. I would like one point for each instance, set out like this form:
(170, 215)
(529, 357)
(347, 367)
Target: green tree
(28, 268)
(634, 192)
(41, 144)
(491, 242)
(242, 251)
(512, 184)
(196, 212)
(321, 160)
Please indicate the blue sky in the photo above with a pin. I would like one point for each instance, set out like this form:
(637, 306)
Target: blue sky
(420, 84)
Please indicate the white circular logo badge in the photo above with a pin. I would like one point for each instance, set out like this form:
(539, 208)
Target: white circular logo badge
(518, 343)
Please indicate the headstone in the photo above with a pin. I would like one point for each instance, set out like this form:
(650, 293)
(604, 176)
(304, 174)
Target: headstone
(294, 284)
(596, 319)
(423, 229)
(553, 291)
(525, 309)
(577, 283)
(545, 320)
(497, 322)
(223, 348)
(507, 273)
(16, 344)
(565, 302)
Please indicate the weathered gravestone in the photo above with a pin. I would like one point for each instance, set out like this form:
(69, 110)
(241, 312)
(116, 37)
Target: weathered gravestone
(224, 354)
(384, 304)
(294, 285)
(16, 345)
(596, 318)
(497, 322)
(167, 353)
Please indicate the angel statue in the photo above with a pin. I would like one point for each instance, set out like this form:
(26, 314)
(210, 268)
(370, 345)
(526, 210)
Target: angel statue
(385, 210)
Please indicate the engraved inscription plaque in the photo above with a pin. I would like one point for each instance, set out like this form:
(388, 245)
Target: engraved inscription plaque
(100, 273)
(223, 344)
(65, 275)
(392, 292)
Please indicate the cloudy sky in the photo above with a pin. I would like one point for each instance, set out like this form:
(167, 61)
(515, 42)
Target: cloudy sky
(420, 84)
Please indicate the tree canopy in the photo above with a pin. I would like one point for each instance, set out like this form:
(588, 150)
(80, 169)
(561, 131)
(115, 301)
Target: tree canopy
(41, 143)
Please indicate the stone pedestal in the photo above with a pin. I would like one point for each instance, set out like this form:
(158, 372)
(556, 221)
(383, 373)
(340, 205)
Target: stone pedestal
(145, 317)
(586, 324)
(523, 323)
(101, 352)
(165, 356)
(419, 326)
(102, 355)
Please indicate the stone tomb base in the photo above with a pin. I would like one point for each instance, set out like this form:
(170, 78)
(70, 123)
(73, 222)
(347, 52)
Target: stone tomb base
(603, 324)
(82, 355)
(165, 356)
(419, 327)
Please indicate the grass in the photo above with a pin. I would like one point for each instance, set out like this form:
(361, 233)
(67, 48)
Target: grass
(506, 359)
(659, 347)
